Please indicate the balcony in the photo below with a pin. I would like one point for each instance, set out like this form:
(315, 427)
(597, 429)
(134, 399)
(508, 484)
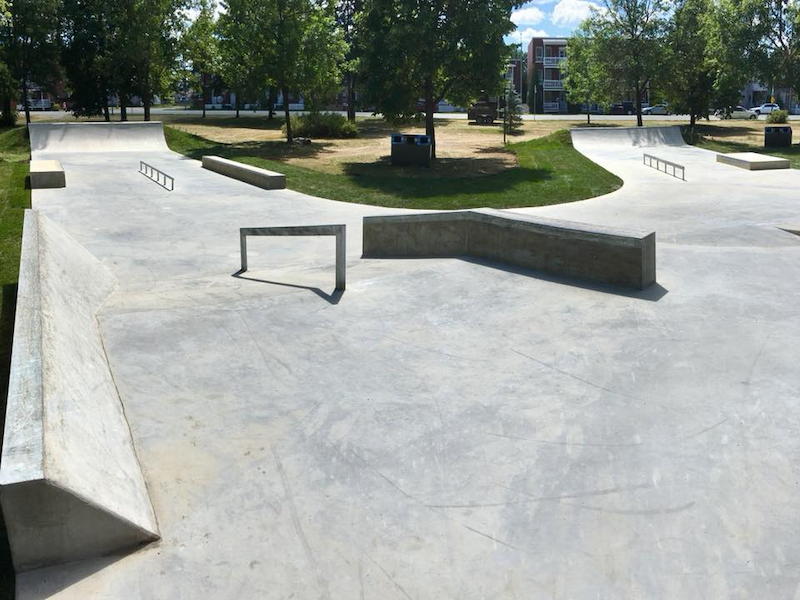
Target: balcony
(551, 107)
(555, 61)
(553, 84)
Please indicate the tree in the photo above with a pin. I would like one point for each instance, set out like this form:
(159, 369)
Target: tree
(586, 79)
(8, 85)
(200, 46)
(432, 50)
(626, 39)
(84, 55)
(512, 112)
(29, 41)
(779, 22)
(689, 85)
(348, 14)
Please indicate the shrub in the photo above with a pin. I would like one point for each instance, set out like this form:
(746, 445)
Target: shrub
(778, 116)
(322, 125)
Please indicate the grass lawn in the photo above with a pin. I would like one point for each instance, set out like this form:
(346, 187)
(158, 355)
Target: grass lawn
(14, 199)
(707, 139)
(549, 171)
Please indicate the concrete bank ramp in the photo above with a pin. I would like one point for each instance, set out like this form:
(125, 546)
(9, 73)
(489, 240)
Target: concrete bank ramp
(588, 138)
(72, 486)
(61, 138)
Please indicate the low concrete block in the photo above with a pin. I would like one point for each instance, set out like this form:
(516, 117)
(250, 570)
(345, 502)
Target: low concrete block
(72, 486)
(47, 174)
(599, 254)
(268, 180)
(752, 161)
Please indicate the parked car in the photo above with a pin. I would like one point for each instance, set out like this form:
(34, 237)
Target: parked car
(737, 112)
(621, 108)
(765, 109)
(656, 109)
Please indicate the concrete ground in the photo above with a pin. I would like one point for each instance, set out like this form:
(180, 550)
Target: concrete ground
(444, 428)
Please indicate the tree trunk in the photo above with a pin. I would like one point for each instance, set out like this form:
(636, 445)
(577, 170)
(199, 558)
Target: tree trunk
(270, 104)
(429, 108)
(147, 100)
(692, 120)
(638, 107)
(588, 115)
(123, 108)
(237, 104)
(351, 97)
(289, 138)
(203, 94)
(106, 112)
(25, 102)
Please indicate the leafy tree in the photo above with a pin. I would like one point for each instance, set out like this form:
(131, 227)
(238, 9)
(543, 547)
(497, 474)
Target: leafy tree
(29, 42)
(432, 50)
(627, 37)
(8, 86)
(586, 79)
(779, 22)
(732, 50)
(85, 35)
(689, 87)
(200, 46)
(348, 14)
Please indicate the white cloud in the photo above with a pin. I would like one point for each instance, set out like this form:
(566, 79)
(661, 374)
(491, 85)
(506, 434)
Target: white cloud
(572, 12)
(530, 15)
(526, 35)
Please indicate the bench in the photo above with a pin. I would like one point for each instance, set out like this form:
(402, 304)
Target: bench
(563, 248)
(47, 174)
(268, 180)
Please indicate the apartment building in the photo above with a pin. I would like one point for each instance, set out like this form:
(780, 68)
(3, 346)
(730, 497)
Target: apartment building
(546, 58)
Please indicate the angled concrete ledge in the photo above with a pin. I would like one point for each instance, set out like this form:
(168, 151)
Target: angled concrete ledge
(72, 486)
(598, 254)
(752, 161)
(47, 174)
(268, 180)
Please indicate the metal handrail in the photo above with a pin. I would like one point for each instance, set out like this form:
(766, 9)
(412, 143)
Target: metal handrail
(154, 174)
(339, 231)
(647, 160)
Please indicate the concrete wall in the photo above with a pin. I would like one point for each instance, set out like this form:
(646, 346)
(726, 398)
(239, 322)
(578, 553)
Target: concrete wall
(61, 138)
(268, 180)
(71, 483)
(619, 257)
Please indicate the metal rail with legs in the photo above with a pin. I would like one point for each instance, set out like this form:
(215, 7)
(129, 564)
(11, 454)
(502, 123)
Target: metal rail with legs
(648, 159)
(161, 178)
(303, 230)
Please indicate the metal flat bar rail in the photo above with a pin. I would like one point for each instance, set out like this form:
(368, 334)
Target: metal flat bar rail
(339, 231)
(648, 159)
(161, 178)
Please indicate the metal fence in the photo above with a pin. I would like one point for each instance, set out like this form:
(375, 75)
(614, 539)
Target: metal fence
(304, 230)
(648, 160)
(161, 178)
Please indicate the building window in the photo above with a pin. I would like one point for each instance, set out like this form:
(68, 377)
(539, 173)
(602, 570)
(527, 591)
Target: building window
(538, 52)
(562, 52)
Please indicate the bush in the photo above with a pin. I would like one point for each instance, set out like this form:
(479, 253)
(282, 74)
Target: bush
(778, 116)
(322, 125)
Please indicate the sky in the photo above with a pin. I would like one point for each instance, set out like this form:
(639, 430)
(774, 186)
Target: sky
(547, 18)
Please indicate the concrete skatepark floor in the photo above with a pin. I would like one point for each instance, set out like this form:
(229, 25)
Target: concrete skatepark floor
(448, 428)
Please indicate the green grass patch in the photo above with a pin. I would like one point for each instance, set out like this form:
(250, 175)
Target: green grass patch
(550, 171)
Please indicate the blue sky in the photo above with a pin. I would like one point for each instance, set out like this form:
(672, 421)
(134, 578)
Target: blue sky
(548, 18)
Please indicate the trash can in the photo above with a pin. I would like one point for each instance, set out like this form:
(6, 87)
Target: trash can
(411, 150)
(777, 137)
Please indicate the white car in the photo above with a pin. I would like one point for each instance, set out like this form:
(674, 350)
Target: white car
(739, 112)
(658, 109)
(765, 109)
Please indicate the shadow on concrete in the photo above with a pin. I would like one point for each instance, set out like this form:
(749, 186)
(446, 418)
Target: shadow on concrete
(49, 581)
(7, 312)
(654, 293)
(332, 298)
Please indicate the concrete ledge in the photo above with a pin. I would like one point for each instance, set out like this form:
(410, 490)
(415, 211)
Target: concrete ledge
(67, 138)
(752, 161)
(72, 486)
(268, 180)
(598, 254)
(47, 174)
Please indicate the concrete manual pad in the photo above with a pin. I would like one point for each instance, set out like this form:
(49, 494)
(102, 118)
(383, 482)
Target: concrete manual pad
(263, 178)
(752, 161)
(443, 429)
(47, 174)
